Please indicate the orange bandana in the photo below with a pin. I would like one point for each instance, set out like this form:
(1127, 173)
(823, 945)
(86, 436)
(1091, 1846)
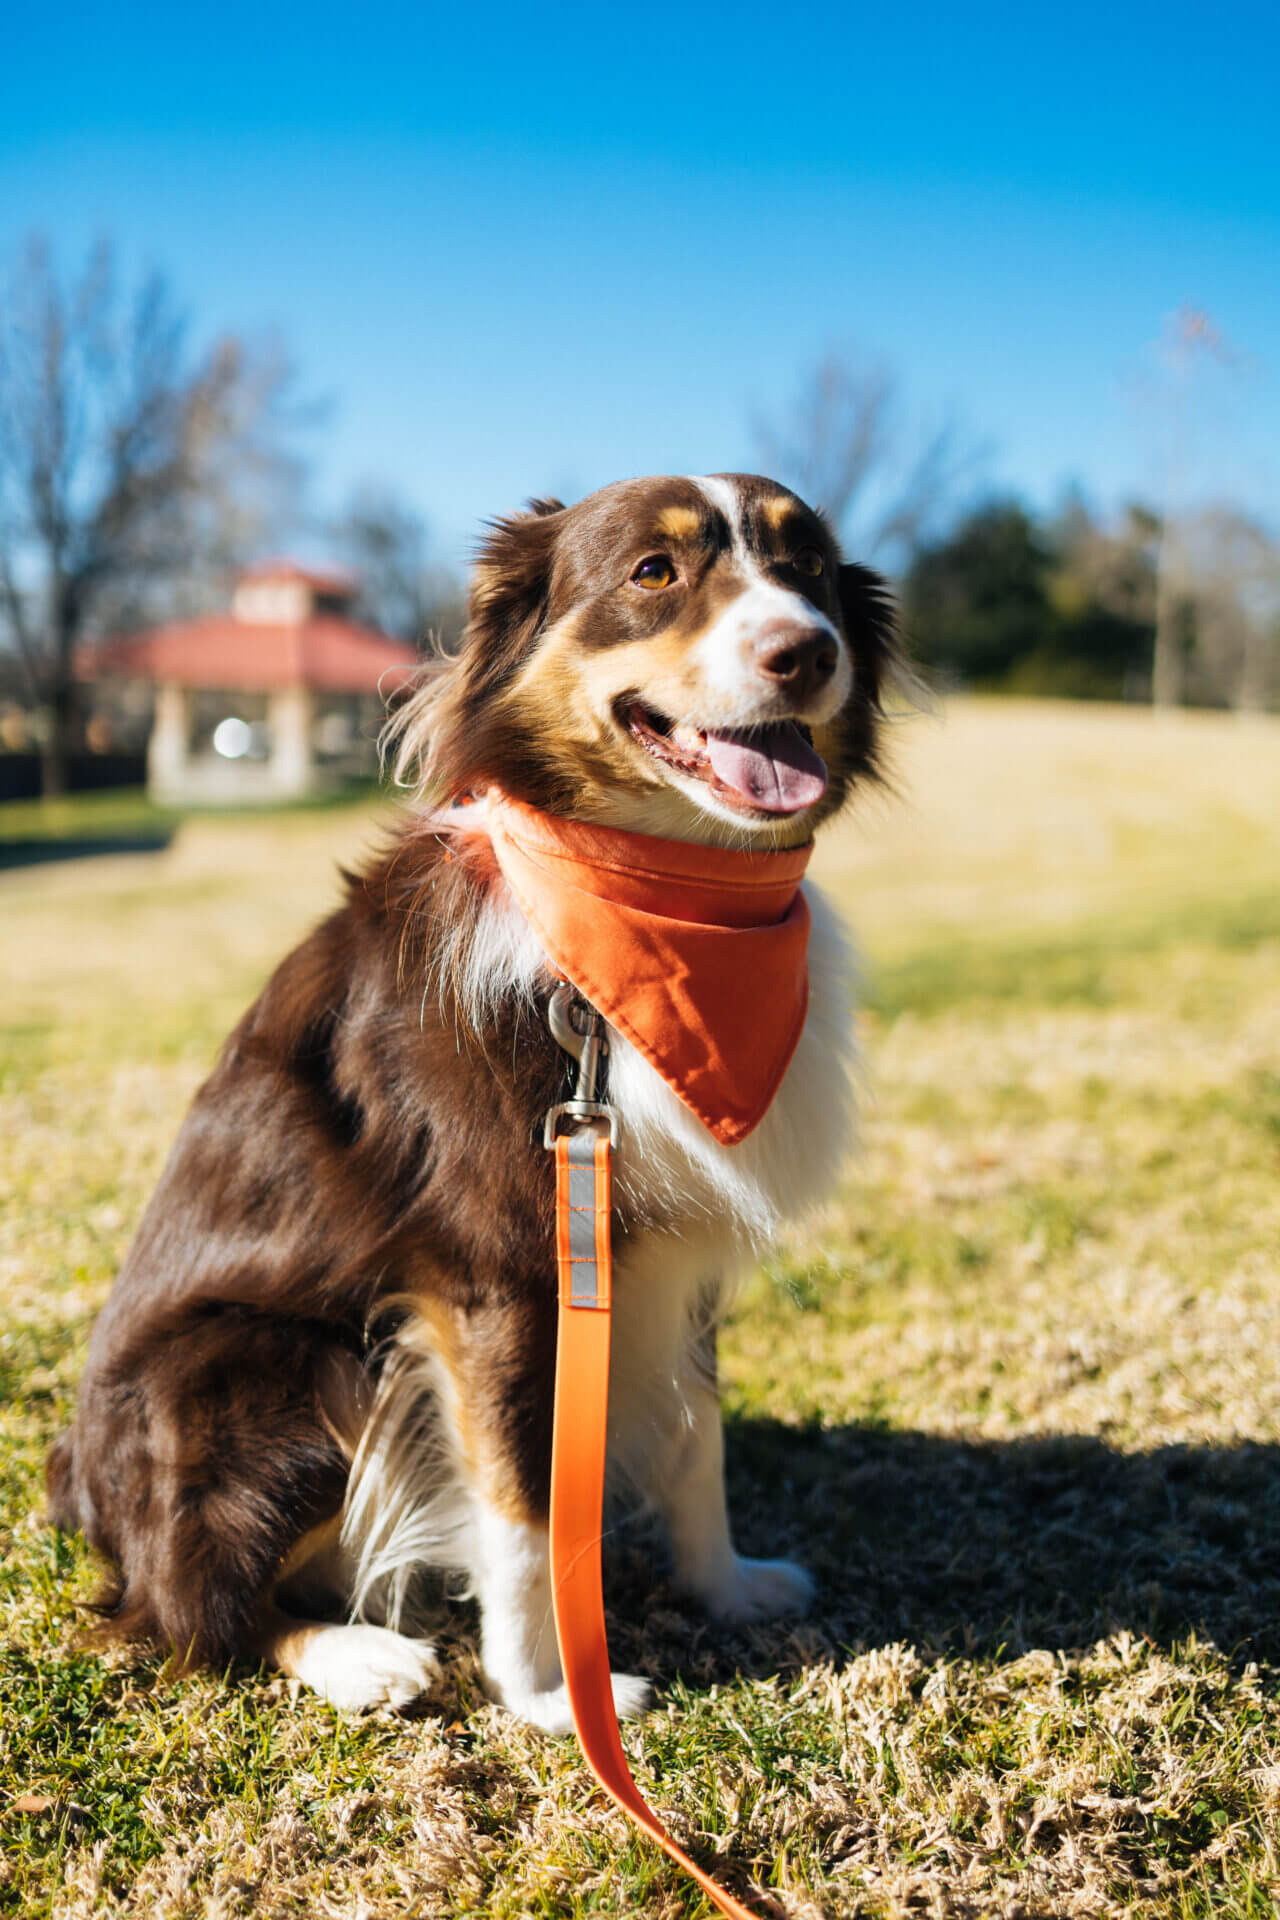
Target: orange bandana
(696, 954)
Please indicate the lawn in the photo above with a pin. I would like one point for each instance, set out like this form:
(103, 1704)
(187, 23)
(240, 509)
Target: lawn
(1015, 1400)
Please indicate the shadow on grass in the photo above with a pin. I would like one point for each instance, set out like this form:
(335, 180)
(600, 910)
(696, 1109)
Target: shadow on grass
(36, 852)
(982, 1548)
(977, 1548)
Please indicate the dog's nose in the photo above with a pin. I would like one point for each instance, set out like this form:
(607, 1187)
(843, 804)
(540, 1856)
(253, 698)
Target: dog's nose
(798, 660)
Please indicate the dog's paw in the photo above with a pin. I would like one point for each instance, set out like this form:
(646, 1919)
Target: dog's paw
(358, 1666)
(760, 1590)
(550, 1710)
(631, 1693)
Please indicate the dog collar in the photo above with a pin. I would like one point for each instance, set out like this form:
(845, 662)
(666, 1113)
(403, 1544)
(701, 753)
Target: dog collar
(697, 955)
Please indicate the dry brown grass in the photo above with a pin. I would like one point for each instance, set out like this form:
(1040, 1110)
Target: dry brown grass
(1016, 1400)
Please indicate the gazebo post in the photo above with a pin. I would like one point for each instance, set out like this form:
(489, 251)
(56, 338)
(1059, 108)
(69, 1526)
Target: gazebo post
(289, 716)
(167, 747)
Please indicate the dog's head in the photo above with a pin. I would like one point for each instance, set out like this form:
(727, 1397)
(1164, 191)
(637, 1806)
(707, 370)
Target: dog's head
(684, 657)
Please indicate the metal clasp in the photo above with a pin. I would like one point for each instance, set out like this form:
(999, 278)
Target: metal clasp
(585, 1043)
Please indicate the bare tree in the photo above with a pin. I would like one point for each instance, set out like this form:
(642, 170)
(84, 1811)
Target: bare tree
(126, 466)
(1191, 340)
(1108, 563)
(385, 544)
(1233, 583)
(848, 445)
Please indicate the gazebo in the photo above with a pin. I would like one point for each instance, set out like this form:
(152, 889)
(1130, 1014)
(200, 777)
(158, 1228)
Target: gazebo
(266, 700)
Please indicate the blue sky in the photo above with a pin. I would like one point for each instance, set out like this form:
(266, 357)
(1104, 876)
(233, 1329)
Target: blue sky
(535, 249)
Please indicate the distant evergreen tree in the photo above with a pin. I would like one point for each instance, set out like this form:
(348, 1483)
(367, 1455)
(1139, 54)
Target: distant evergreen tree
(977, 603)
(1003, 603)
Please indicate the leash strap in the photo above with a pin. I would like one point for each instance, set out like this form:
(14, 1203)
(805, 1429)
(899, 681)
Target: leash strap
(585, 1262)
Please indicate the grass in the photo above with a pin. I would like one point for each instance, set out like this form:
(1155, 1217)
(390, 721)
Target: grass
(1014, 1400)
(83, 816)
(125, 819)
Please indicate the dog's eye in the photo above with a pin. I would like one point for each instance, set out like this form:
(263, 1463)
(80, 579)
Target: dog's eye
(809, 561)
(656, 571)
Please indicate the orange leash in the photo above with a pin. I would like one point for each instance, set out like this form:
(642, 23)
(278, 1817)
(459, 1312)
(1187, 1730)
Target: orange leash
(584, 1258)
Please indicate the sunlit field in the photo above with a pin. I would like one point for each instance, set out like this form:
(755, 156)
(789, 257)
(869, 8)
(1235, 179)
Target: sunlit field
(1015, 1400)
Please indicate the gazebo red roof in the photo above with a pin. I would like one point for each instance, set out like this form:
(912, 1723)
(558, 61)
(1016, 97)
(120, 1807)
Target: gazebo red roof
(324, 652)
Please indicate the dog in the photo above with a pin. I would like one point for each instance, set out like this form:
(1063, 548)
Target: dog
(327, 1363)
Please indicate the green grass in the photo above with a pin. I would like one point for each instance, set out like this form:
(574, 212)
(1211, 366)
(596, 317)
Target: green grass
(1100, 962)
(76, 816)
(1014, 1399)
(126, 812)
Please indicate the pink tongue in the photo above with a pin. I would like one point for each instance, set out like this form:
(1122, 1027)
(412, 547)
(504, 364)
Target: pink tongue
(773, 767)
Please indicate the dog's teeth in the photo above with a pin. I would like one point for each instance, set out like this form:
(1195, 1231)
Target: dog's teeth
(690, 738)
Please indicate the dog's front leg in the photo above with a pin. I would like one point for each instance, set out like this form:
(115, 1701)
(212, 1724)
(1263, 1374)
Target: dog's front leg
(512, 1573)
(692, 1500)
(503, 1367)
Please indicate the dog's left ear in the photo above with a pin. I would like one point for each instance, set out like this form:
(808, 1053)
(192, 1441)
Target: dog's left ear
(870, 621)
(510, 587)
(450, 735)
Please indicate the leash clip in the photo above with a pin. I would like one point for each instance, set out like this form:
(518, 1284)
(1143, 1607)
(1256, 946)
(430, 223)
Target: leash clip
(587, 1045)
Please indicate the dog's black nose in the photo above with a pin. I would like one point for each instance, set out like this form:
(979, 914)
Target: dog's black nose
(798, 660)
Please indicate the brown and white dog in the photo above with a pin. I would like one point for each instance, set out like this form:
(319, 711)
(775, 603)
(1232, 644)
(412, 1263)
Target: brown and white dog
(327, 1362)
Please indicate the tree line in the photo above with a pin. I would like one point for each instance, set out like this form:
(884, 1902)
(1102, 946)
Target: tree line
(1081, 606)
(139, 472)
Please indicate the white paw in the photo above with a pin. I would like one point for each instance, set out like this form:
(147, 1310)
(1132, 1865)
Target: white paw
(549, 1710)
(760, 1590)
(354, 1667)
(630, 1695)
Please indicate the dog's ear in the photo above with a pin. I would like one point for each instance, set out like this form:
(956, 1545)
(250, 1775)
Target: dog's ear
(510, 587)
(869, 618)
(449, 736)
(870, 622)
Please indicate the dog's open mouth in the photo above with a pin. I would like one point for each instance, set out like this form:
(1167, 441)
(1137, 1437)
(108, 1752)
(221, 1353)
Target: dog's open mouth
(771, 769)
